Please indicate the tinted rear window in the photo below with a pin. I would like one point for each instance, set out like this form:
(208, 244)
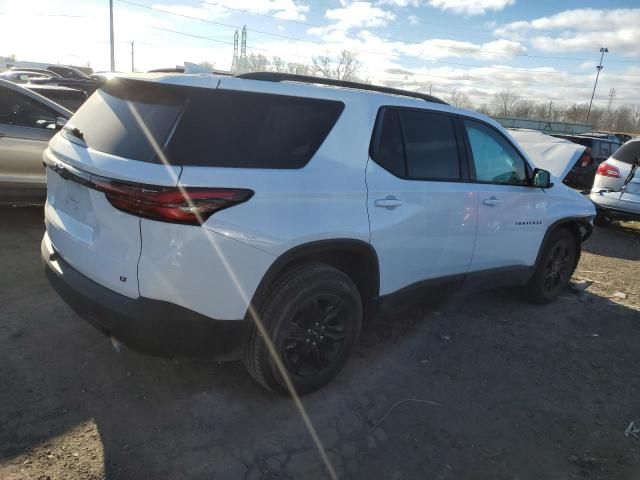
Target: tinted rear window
(204, 127)
(225, 128)
(127, 118)
(628, 152)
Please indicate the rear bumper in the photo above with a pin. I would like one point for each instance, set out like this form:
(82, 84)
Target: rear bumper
(149, 326)
(616, 208)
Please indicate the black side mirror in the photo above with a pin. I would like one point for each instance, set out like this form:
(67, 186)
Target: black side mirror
(541, 178)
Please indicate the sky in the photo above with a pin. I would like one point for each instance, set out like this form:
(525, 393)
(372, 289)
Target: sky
(545, 50)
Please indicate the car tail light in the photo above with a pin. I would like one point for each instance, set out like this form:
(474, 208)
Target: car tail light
(607, 170)
(170, 204)
(585, 159)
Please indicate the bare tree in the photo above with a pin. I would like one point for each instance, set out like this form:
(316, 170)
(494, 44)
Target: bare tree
(322, 65)
(524, 109)
(348, 66)
(298, 68)
(278, 64)
(208, 65)
(345, 67)
(254, 63)
(458, 98)
(504, 101)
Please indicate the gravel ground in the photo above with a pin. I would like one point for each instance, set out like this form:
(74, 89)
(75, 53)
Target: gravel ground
(517, 391)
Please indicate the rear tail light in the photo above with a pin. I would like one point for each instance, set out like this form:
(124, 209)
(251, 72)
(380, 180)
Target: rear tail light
(585, 160)
(607, 170)
(191, 206)
(187, 205)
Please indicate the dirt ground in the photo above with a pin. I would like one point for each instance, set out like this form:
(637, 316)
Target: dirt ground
(518, 391)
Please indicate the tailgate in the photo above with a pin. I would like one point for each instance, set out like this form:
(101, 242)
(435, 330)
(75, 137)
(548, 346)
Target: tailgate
(114, 137)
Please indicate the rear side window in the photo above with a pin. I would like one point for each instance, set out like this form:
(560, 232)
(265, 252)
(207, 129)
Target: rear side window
(390, 153)
(628, 153)
(418, 145)
(129, 118)
(430, 146)
(226, 128)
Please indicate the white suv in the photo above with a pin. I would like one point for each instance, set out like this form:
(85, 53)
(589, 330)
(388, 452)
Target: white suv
(185, 209)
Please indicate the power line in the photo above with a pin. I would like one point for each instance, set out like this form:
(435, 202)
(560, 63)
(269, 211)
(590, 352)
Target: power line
(510, 85)
(314, 25)
(20, 14)
(297, 39)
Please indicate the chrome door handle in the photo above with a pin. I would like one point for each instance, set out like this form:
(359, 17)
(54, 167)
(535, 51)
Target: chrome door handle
(492, 201)
(390, 202)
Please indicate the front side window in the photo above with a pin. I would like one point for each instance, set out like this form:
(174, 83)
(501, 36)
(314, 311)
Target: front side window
(21, 111)
(495, 160)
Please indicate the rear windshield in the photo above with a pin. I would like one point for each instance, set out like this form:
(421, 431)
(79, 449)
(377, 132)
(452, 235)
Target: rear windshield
(205, 127)
(128, 118)
(628, 152)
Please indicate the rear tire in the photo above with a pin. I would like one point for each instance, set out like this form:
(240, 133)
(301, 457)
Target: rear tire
(554, 268)
(313, 316)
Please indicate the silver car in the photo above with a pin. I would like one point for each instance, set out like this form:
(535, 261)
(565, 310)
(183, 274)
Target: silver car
(616, 188)
(27, 123)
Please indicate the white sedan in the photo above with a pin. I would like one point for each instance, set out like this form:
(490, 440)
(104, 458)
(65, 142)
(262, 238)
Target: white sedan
(616, 188)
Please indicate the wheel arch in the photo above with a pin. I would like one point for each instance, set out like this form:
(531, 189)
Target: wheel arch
(355, 258)
(580, 227)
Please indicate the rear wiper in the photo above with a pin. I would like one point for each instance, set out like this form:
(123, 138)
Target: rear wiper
(75, 131)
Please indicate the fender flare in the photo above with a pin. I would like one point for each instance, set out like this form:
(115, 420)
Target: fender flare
(314, 250)
(583, 222)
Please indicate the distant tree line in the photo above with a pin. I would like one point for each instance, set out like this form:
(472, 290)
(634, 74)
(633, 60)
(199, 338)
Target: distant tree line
(506, 103)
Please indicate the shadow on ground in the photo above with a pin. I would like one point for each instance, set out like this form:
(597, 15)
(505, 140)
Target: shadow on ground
(523, 391)
(619, 240)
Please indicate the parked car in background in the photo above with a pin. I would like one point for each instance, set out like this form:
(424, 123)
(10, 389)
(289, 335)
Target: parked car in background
(62, 76)
(24, 76)
(557, 155)
(207, 213)
(69, 98)
(600, 147)
(616, 188)
(27, 123)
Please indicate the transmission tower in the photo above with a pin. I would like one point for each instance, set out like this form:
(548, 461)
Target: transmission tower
(243, 45)
(234, 61)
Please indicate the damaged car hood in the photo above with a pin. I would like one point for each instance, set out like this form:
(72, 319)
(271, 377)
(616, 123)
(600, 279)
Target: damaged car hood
(556, 155)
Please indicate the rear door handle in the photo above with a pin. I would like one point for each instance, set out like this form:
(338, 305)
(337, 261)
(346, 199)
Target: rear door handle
(492, 201)
(390, 202)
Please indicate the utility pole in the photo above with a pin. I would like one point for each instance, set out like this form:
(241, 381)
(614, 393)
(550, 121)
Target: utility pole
(133, 69)
(603, 50)
(550, 104)
(113, 55)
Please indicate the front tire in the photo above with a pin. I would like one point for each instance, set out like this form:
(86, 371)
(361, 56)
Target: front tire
(313, 317)
(554, 268)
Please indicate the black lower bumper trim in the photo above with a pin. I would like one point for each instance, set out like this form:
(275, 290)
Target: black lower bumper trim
(149, 326)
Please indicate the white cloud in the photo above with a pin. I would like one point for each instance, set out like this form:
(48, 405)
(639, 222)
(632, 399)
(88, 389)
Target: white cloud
(283, 9)
(354, 15)
(441, 48)
(400, 3)
(580, 30)
(471, 7)
(413, 19)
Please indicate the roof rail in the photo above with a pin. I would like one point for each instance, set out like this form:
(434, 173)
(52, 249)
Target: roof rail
(292, 77)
